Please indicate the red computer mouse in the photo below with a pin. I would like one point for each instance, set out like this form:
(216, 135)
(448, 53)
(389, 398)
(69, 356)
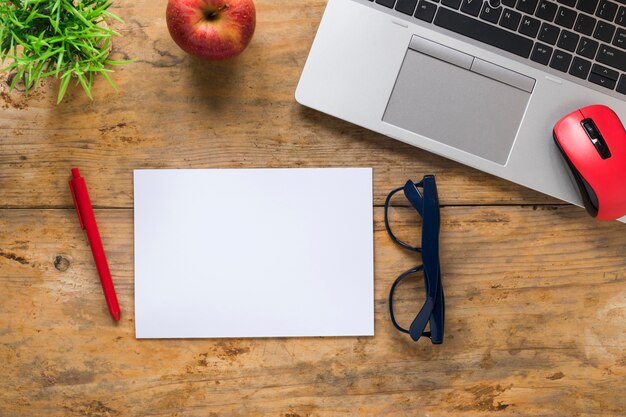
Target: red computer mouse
(593, 142)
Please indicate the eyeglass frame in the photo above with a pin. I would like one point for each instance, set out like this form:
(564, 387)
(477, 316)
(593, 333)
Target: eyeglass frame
(433, 309)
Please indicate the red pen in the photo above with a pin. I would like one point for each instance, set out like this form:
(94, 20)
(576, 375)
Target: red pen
(88, 222)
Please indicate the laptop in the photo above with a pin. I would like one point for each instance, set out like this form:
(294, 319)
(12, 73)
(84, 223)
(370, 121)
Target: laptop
(480, 82)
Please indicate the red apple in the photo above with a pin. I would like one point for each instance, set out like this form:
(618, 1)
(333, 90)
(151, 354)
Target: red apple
(211, 29)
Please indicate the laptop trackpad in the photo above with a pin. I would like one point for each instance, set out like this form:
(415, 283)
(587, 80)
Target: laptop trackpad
(459, 106)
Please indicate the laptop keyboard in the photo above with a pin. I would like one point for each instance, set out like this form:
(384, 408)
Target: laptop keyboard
(584, 38)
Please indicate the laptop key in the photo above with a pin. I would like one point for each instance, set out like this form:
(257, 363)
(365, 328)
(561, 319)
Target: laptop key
(386, 3)
(606, 10)
(580, 68)
(455, 4)
(425, 11)
(568, 40)
(541, 53)
(603, 81)
(620, 39)
(565, 17)
(527, 6)
(587, 6)
(471, 7)
(570, 3)
(560, 60)
(587, 48)
(529, 26)
(509, 3)
(484, 32)
(548, 33)
(490, 14)
(605, 72)
(621, 16)
(546, 10)
(406, 6)
(584, 24)
(621, 85)
(612, 57)
(510, 19)
(604, 31)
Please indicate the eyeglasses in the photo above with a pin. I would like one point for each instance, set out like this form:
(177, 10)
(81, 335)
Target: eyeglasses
(432, 312)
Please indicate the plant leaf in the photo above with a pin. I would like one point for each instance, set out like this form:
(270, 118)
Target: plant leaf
(85, 84)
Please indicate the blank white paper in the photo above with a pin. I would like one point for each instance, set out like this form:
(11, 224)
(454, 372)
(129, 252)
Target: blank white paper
(254, 253)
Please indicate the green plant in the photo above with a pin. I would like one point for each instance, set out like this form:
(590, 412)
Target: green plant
(64, 39)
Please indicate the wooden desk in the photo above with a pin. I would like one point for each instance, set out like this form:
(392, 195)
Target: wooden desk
(535, 290)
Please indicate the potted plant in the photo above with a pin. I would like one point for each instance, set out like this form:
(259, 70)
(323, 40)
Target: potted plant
(64, 39)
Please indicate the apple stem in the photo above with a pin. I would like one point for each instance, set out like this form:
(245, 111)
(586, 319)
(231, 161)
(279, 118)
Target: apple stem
(214, 14)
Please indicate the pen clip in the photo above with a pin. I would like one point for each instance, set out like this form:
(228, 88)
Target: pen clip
(80, 219)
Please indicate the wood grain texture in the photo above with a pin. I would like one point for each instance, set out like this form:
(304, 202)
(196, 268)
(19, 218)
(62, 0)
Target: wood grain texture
(174, 111)
(535, 290)
(536, 306)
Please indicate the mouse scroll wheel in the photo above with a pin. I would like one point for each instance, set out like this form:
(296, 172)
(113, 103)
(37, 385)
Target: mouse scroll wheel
(596, 138)
(591, 129)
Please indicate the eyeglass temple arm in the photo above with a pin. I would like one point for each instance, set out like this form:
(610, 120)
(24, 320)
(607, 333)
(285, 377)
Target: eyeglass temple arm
(437, 317)
(433, 309)
(414, 196)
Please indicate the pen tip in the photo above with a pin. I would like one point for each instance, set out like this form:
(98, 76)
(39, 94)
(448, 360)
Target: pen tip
(116, 315)
(75, 173)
